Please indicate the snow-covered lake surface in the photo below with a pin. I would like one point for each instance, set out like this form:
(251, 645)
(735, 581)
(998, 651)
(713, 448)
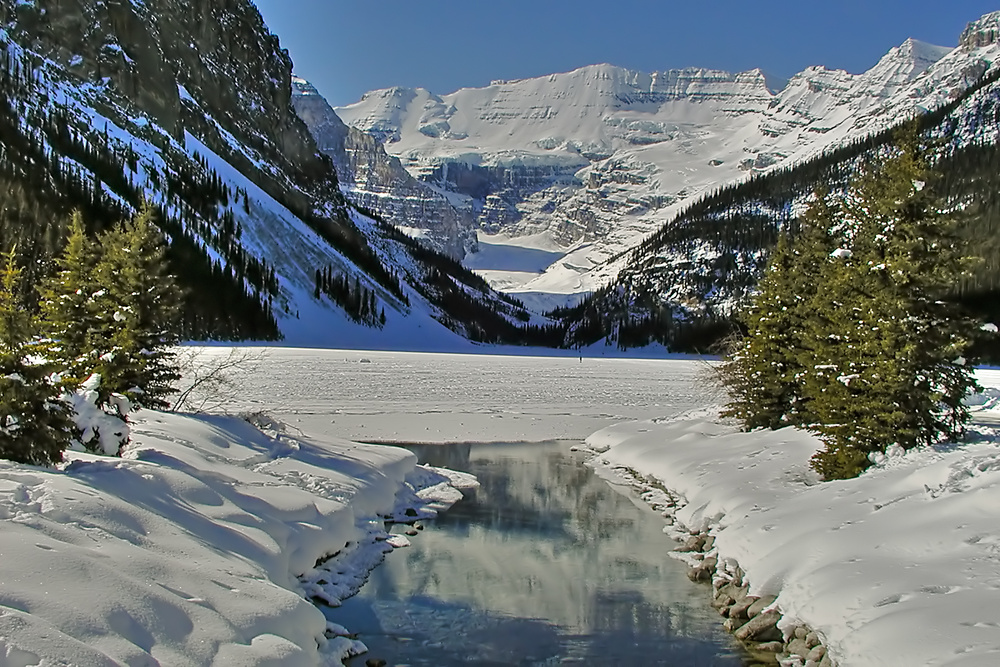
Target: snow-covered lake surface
(422, 397)
(205, 541)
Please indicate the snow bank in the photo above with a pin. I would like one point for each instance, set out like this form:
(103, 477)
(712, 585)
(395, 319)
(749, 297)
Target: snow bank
(898, 567)
(199, 547)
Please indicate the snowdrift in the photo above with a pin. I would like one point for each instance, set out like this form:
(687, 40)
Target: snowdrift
(897, 567)
(199, 546)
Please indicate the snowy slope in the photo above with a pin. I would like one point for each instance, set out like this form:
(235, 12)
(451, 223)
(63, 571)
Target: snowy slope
(593, 160)
(200, 546)
(252, 204)
(897, 567)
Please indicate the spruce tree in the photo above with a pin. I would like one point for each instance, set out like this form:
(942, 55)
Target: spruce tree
(851, 333)
(69, 305)
(764, 374)
(890, 368)
(35, 425)
(140, 315)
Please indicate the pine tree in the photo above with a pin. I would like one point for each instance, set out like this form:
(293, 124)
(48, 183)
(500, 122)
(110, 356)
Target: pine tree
(141, 313)
(851, 334)
(891, 367)
(68, 305)
(35, 425)
(764, 374)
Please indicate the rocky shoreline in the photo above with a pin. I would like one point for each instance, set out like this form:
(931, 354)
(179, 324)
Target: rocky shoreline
(751, 619)
(754, 621)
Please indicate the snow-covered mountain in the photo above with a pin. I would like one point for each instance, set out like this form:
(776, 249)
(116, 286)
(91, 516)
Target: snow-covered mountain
(372, 178)
(188, 105)
(591, 161)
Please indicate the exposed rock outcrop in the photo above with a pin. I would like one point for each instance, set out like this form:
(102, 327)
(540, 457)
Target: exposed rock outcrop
(207, 67)
(372, 178)
(981, 33)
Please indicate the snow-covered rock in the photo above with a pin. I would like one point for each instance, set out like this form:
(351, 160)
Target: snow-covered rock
(371, 178)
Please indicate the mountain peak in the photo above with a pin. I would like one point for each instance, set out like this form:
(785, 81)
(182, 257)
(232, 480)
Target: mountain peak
(904, 63)
(982, 32)
(918, 51)
(302, 87)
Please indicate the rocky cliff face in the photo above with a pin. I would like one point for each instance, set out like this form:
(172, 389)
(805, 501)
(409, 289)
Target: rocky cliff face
(182, 62)
(602, 156)
(377, 181)
(982, 33)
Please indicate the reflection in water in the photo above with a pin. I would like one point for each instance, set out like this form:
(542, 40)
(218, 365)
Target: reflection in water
(544, 564)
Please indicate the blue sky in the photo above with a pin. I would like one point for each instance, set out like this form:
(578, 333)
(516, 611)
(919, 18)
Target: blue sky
(347, 47)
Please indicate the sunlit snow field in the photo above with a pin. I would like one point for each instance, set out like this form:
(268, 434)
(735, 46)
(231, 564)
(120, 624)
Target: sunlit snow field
(418, 397)
(205, 541)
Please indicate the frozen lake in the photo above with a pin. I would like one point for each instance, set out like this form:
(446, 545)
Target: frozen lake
(420, 397)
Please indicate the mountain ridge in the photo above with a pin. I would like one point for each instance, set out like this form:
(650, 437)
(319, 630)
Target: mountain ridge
(597, 158)
(188, 106)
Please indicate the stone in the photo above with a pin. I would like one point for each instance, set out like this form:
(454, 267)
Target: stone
(693, 543)
(732, 624)
(700, 573)
(722, 602)
(760, 605)
(375, 662)
(801, 632)
(726, 589)
(812, 639)
(740, 607)
(709, 543)
(762, 627)
(770, 647)
(816, 653)
(797, 647)
(710, 563)
(826, 661)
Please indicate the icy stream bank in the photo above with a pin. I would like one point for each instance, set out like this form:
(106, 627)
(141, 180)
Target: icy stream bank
(898, 567)
(202, 545)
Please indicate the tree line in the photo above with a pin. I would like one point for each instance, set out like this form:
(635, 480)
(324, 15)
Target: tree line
(357, 300)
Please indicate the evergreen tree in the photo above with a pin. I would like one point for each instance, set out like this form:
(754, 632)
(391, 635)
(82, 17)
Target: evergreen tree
(850, 333)
(894, 370)
(68, 305)
(35, 425)
(764, 374)
(140, 316)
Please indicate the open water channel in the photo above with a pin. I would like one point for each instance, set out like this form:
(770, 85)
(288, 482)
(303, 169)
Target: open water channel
(545, 564)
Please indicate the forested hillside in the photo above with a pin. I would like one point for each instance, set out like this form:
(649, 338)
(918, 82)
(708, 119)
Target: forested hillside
(682, 285)
(188, 107)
